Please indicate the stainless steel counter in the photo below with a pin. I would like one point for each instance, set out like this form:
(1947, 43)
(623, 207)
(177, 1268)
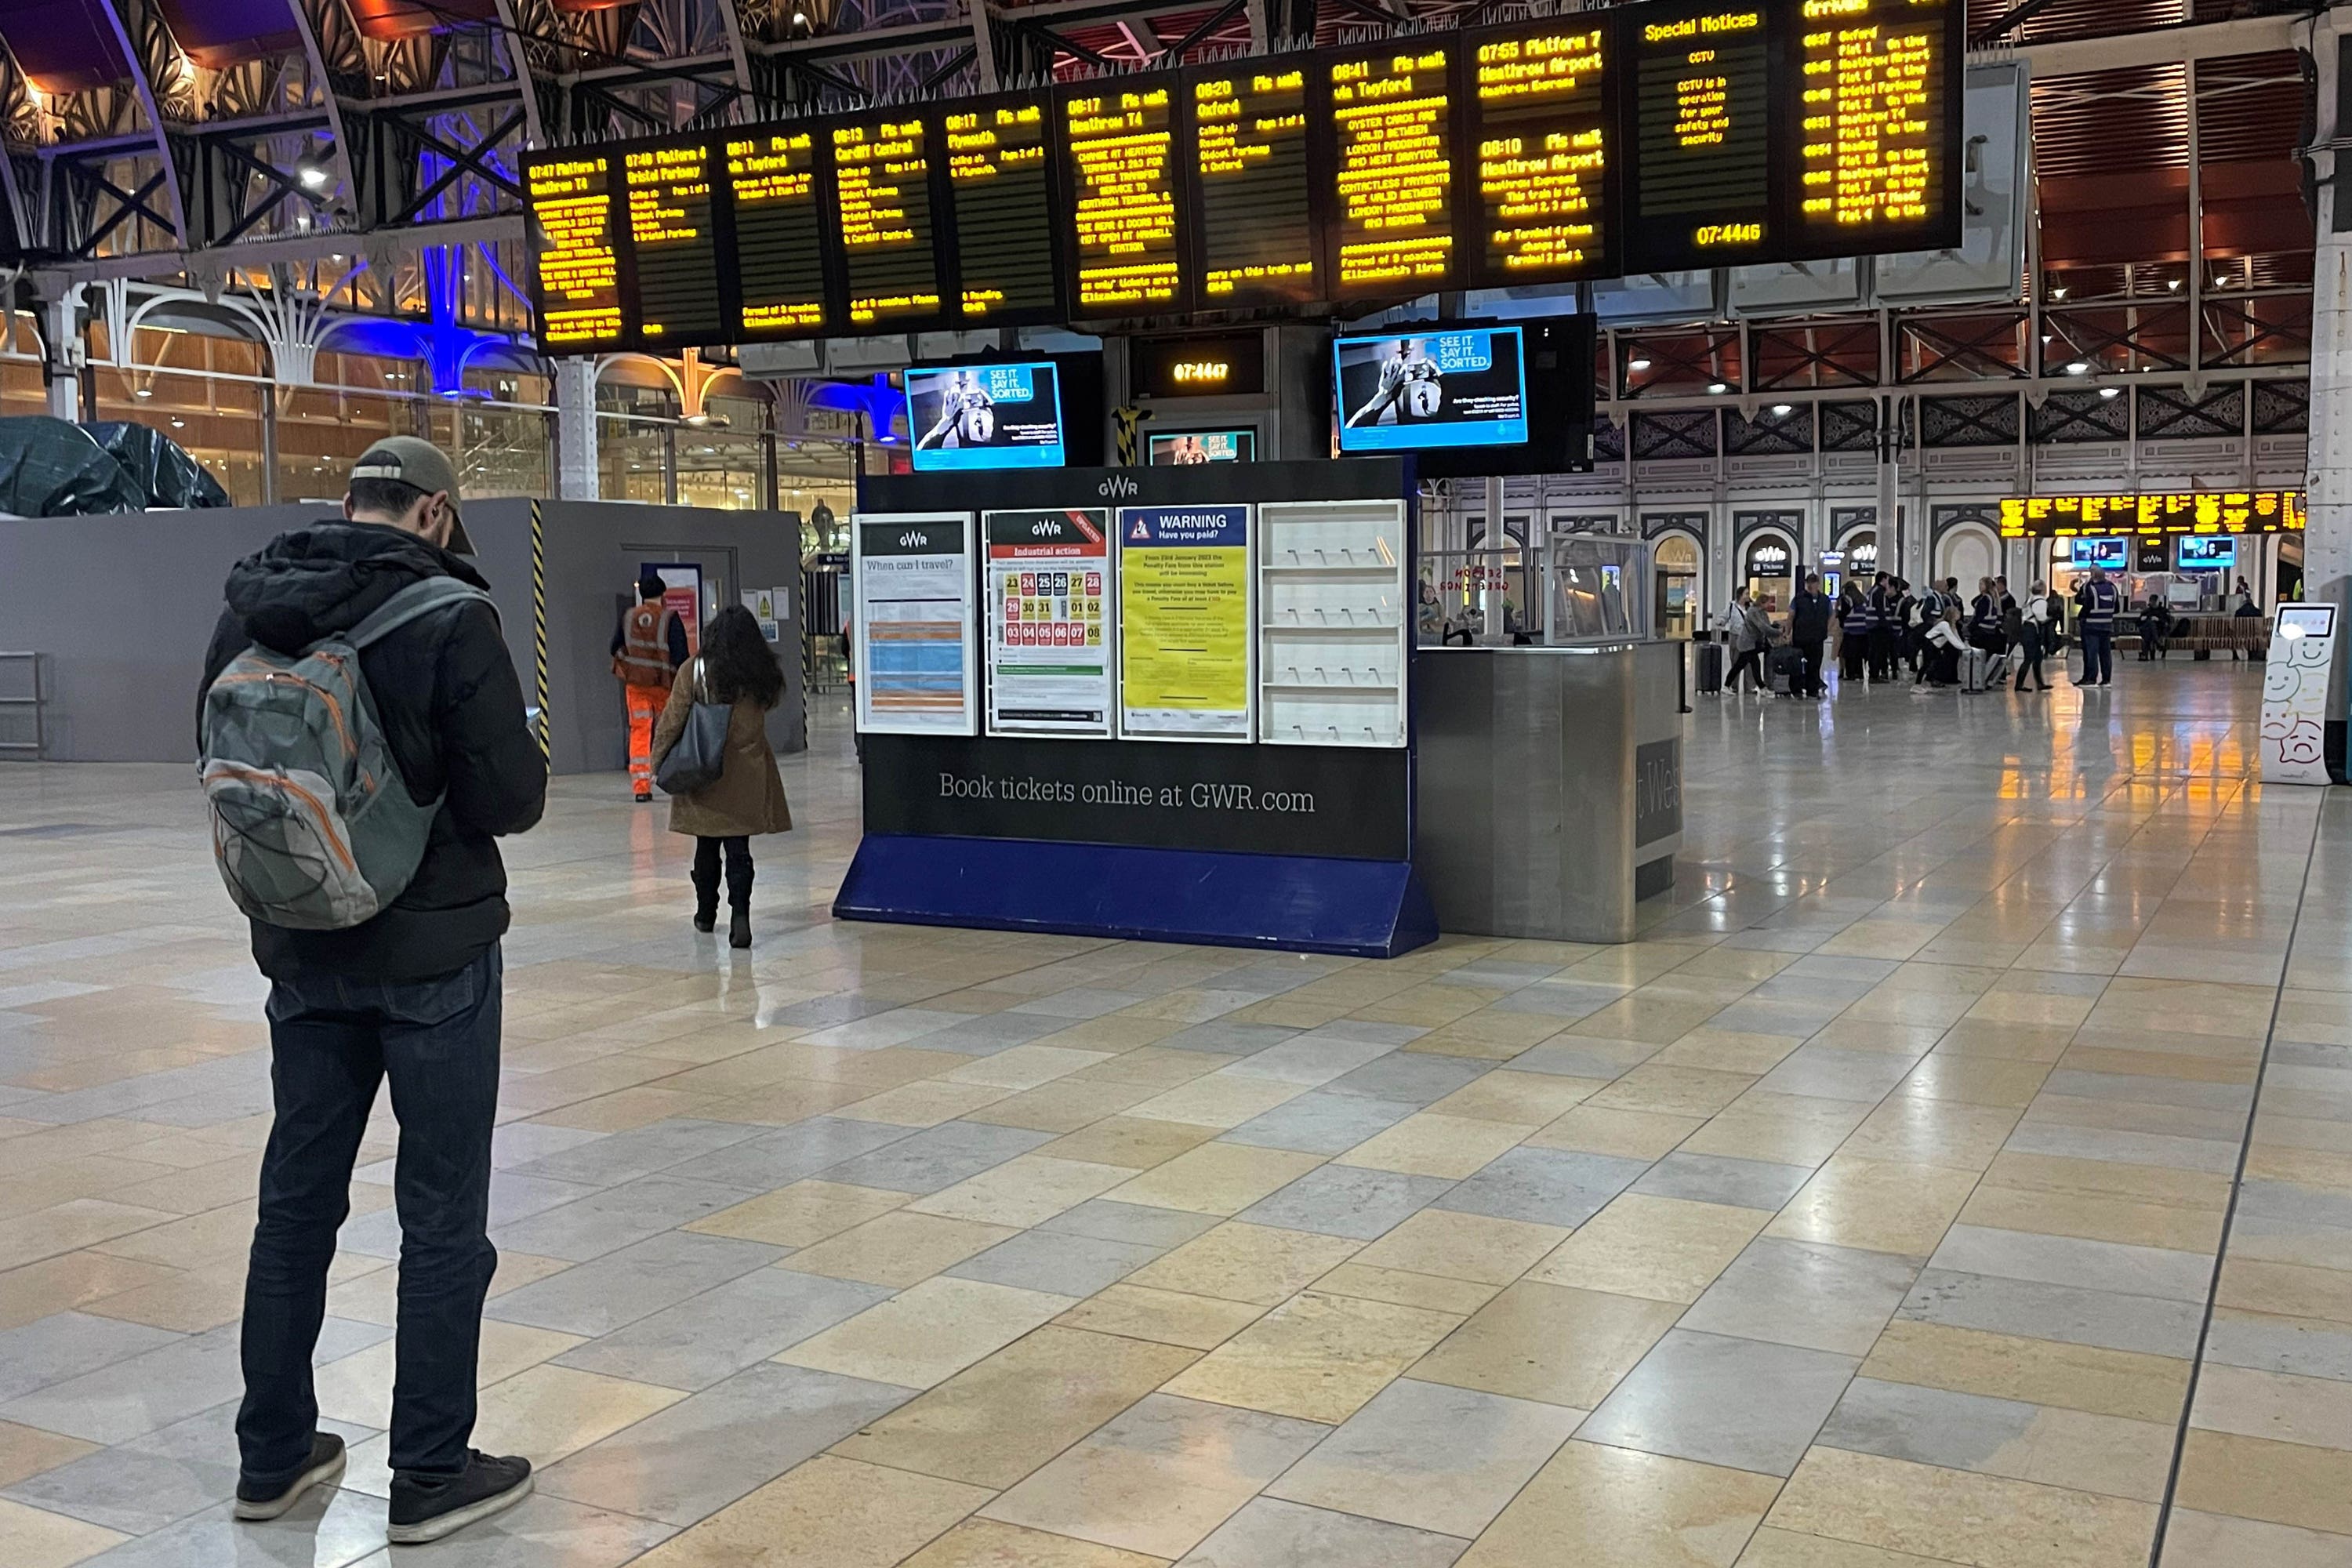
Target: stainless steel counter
(1549, 782)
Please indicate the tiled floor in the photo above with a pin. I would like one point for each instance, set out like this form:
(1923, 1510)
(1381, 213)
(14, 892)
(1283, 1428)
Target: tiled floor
(1864, 1216)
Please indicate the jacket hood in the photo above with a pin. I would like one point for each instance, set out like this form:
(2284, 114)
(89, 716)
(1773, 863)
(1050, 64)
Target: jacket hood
(328, 578)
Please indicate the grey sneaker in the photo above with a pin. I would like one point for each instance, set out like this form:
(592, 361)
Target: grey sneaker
(426, 1507)
(324, 1467)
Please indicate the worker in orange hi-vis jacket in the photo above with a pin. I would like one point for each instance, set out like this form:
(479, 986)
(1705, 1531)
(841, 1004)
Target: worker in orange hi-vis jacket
(648, 649)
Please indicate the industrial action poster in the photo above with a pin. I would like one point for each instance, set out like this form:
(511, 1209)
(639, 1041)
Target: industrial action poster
(1049, 619)
(1185, 622)
(914, 627)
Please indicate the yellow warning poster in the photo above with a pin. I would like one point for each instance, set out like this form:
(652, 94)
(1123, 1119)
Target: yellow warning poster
(1184, 623)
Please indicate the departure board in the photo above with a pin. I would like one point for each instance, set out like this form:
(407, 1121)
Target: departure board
(1391, 109)
(1651, 136)
(778, 232)
(580, 303)
(1539, 119)
(668, 190)
(1877, 85)
(1003, 192)
(882, 190)
(1253, 206)
(1702, 187)
(1120, 143)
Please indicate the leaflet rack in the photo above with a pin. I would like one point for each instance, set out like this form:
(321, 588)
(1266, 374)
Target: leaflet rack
(1334, 620)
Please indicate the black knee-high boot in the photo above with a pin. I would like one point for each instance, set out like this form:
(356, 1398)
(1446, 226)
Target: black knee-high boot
(706, 884)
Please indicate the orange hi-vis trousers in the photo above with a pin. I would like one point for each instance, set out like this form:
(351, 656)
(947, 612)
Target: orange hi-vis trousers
(645, 704)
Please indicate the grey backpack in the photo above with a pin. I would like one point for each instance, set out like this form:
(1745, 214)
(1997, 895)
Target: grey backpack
(312, 826)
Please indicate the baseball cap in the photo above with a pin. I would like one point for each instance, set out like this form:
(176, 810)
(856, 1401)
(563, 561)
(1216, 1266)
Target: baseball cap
(412, 460)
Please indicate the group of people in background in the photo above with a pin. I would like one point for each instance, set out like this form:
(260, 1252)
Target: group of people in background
(1940, 635)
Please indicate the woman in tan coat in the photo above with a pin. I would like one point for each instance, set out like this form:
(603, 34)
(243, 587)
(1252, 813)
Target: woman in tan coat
(736, 666)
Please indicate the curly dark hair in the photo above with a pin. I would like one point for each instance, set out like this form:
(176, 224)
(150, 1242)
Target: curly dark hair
(738, 661)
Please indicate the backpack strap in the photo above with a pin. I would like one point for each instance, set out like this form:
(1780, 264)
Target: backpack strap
(419, 598)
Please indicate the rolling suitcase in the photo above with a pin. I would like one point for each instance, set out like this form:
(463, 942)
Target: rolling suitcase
(1787, 667)
(1710, 669)
(1972, 669)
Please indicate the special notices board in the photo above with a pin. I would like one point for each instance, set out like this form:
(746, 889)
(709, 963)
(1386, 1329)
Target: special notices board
(1659, 136)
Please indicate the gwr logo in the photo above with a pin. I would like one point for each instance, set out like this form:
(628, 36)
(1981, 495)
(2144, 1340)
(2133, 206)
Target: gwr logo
(1118, 487)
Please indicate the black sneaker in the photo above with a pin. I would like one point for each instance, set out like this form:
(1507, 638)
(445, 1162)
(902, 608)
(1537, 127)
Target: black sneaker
(324, 1467)
(426, 1507)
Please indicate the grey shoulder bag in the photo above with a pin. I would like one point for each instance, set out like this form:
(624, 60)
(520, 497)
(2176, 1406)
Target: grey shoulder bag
(699, 755)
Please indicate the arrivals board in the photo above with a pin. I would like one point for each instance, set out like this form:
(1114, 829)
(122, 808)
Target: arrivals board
(1119, 143)
(2183, 511)
(1251, 187)
(882, 190)
(780, 224)
(1538, 115)
(1666, 135)
(1392, 224)
(999, 179)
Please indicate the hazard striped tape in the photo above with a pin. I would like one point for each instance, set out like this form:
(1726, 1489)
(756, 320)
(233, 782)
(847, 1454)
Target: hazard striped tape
(539, 622)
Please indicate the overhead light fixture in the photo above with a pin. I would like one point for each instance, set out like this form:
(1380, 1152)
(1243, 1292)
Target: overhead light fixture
(143, 392)
(2078, 367)
(2059, 292)
(1639, 362)
(2175, 283)
(1782, 410)
(1718, 387)
(313, 177)
(2110, 392)
(179, 424)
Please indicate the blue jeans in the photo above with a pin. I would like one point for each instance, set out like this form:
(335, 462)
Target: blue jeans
(2098, 657)
(332, 1042)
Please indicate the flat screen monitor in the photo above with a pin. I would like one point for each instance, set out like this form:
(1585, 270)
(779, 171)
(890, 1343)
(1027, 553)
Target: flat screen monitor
(1186, 447)
(2306, 620)
(2111, 554)
(1449, 386)
(2206, 552)
(985, 416)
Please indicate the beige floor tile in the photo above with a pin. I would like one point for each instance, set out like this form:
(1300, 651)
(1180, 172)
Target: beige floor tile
(2005, 1042)
(1543, 1341)
(2109, 1179)
(1664, 1249)
(1658, 1021)
(35, 1538)
(899, 1248)
(827, 1513)
(1402, 1287)
(1430, 1144)
(984, 1543)
(28, 1451)
(1597, 1505)
(1977, 1080)
(1259, 1264)
(1218, 1100)
(1155, 1068)
(1025, 1067)
(79, 1222)
(2094, 1218)
(1907, 1130)
(801, 1214)
(2285, 1288)
(1216, 1178)
(1137, 1142)
(998, 1420)
(929, 1334)
(1875, 1205)
(2128, 1383)
(1628, 1134)
(782, 1104)
(631, 1107)
(199, 1299)
(1525, 1099)
(549, 1412)
(1068, 1104)
(1317, 1357)
(1474, 1033)
(357, 1388)
(924, 1104)
(1023, 1192)
(1728, 1050)
(1158, 1478)
(2279, 1406)
(2329, 1168)
(1987, 1522)
(1770, 1547)
(1464, 1247)
(2194, 1539)
(1117, 1032)
(1672, 1090)
(1784, 1128)
(1165, 1317)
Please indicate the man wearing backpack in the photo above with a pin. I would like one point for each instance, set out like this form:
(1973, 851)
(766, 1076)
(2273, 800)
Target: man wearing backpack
(354, 815)
(648, 649)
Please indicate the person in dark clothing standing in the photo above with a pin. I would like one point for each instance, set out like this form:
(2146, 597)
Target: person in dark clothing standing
(2096, 603)
(1808, 629)
(412, 995)
(1855, 626)
(2036, 631)
(1886, 626)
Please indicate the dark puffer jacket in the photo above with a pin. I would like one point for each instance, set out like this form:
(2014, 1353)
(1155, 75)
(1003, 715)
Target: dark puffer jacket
(446, 692)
